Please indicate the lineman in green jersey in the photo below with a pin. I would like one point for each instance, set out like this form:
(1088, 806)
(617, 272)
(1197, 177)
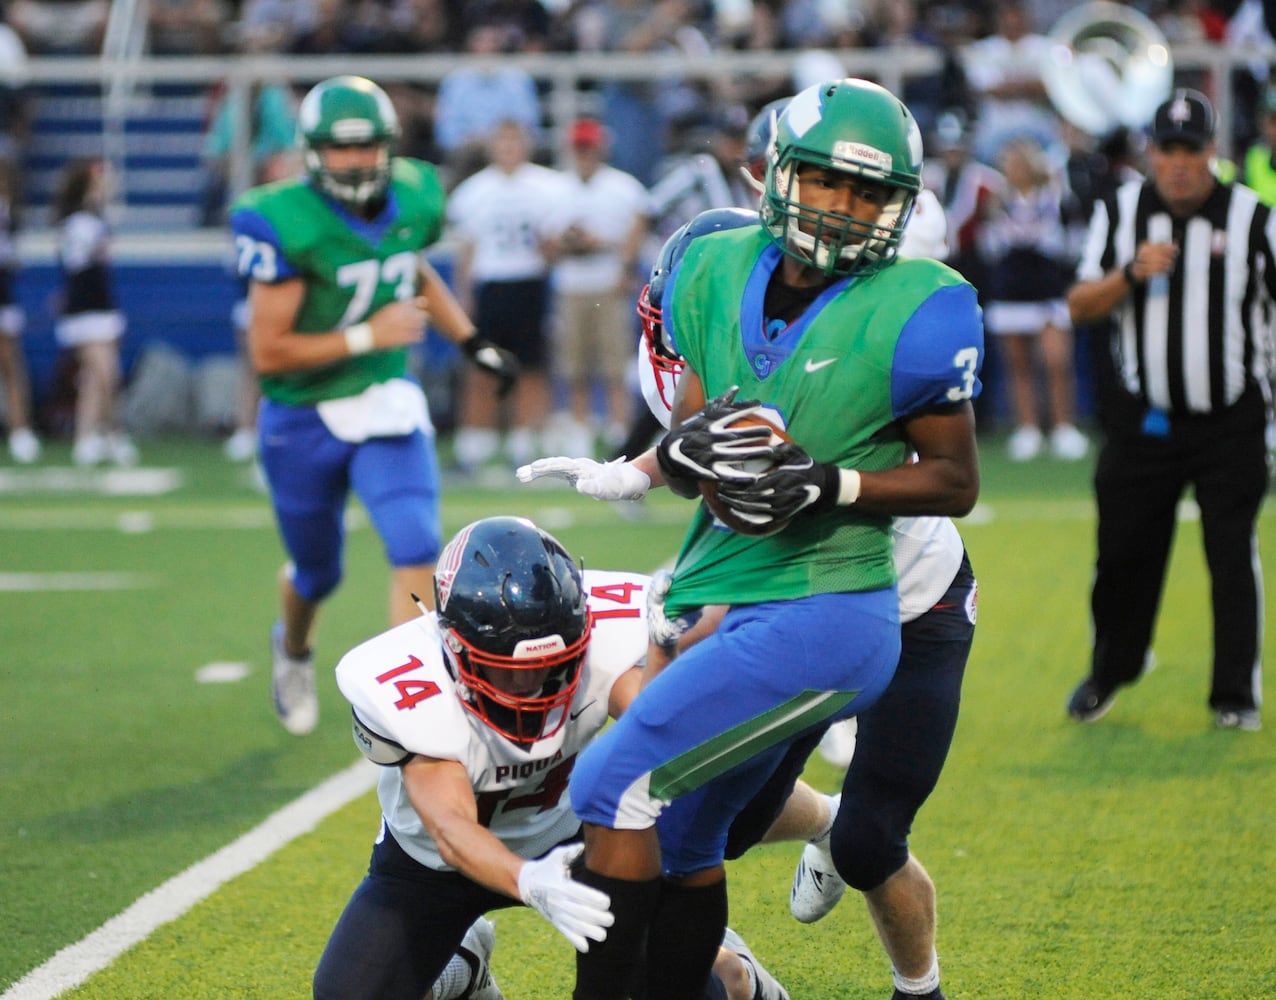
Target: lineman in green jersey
(338, 293)
(870, 362)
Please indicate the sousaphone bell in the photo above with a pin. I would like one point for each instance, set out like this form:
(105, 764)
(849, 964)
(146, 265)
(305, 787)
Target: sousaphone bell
(1109, 65)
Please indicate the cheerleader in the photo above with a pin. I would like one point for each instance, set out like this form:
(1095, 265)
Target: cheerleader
(88, 322)
(1024, 246)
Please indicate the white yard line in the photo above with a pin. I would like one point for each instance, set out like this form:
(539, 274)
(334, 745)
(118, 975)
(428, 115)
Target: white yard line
(75, 963)
(148, 481)
(23, 583)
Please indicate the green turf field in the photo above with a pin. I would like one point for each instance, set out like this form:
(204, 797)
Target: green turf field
(1132, 858)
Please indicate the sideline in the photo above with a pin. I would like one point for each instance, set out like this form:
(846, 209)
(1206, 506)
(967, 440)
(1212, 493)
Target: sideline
(75, 963)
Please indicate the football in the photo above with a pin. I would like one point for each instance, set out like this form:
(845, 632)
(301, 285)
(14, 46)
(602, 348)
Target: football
(709, 487)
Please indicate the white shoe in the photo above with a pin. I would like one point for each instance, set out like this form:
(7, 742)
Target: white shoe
(1068, 443)
(474, 447)
(24, 446)
(1024, 444)
(1245, 719)
(241, 446)
(292, 685)
(121, 450)
(817, 887)
(476, 947)
(838, 745)
(89, 450)
(768, 987)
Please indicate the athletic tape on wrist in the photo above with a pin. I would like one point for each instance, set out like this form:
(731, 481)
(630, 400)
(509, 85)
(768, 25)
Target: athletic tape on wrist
(359, 338)
(848, 487)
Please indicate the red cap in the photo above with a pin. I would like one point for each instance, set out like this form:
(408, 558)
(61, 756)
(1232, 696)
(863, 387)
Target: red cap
(588, 132)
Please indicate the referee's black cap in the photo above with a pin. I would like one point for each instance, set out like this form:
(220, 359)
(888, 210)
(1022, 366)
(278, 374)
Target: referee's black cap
(1186, 117)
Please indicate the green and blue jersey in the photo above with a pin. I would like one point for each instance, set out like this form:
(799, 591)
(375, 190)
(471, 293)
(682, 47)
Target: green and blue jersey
(351, 267)
(866, 353)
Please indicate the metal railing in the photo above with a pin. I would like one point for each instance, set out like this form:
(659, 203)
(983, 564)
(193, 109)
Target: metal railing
(565, 79)
(124, 48)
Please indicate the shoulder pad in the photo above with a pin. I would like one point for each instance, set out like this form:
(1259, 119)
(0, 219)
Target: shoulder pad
(417, 174)
(398, 683)
(377, 748)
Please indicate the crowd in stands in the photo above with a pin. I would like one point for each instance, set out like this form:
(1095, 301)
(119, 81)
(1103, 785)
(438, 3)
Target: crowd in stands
(683, 140)
(991, 50)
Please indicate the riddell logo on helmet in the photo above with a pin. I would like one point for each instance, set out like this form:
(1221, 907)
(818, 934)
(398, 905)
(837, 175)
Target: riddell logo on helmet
(352, 130)
(531, 648)
(861, 155)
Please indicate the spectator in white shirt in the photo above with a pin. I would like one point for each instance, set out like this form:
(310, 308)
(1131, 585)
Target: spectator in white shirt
(598, 236)
(501, 218)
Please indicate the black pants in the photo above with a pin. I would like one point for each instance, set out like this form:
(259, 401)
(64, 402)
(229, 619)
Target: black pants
(900, 747)
(1138, 483)
(400, 928)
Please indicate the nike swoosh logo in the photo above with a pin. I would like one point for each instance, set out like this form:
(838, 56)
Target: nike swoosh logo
(577, 714)
(815, 366)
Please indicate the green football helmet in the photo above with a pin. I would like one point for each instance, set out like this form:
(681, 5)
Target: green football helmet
(853, 126)
(348, 111)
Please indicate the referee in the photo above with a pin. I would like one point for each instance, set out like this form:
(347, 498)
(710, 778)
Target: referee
(1185, 266)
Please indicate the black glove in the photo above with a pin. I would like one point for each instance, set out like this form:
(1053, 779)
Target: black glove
(494, 360)
(798, 483)
(703, 445)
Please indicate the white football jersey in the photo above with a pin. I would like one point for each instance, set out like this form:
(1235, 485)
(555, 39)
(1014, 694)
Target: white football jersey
(400, 688)
(506, 218)
(927, 232)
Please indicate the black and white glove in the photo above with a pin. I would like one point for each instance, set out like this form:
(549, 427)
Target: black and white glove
(493, 360)
(704, 446)
(798, 483)
(580, 913)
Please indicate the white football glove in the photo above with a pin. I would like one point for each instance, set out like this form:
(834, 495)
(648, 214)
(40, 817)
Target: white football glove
(661, 629)
(615, 480)
(580, 913)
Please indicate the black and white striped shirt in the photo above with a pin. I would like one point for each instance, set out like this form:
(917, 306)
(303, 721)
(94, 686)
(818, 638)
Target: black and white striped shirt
(1192, 341)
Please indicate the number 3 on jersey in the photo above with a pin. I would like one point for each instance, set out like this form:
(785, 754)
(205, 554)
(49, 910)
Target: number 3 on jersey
(966, 360)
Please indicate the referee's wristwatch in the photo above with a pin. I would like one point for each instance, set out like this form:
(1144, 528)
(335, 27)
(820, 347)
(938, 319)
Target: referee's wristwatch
(1130, 279)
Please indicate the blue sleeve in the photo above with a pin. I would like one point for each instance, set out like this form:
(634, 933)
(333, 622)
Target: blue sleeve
(666, 311)
(939, 353)
(259, 252)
